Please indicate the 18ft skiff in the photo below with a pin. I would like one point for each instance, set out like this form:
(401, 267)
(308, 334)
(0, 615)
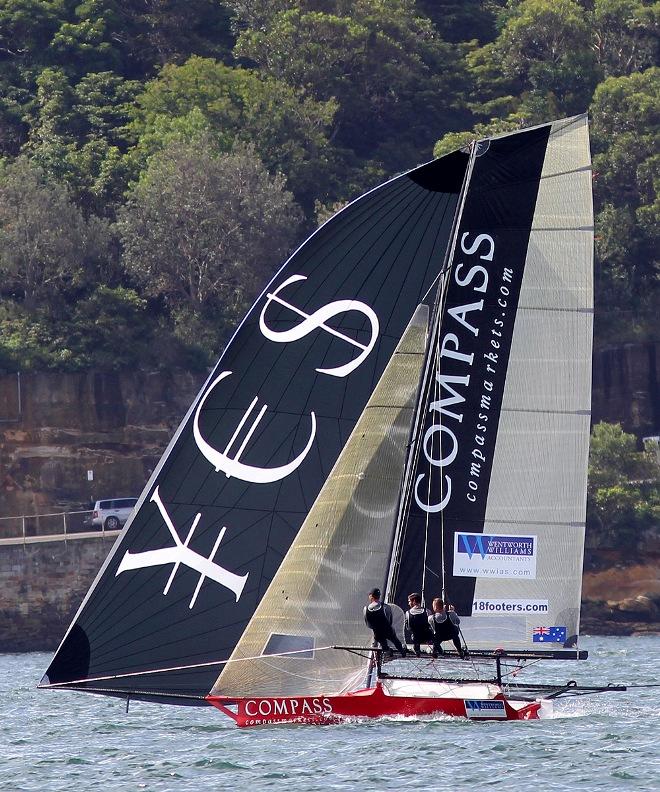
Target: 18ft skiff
(407, 405)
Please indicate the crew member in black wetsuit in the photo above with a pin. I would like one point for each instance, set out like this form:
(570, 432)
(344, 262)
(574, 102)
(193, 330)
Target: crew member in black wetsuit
(378, 616)
(444, 621)
(417, 623)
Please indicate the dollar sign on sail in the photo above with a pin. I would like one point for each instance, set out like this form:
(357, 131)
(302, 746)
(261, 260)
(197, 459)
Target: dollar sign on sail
(317, 320)
(221, 460)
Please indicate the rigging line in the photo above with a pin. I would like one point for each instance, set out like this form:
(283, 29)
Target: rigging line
(174, 668)
(433, 387)
(435, 341)
(283, 671)
(413, 461)
(441, 307)
(518, 668)
(411, 467)
(403, 512)
(443, 269)
(641, 686)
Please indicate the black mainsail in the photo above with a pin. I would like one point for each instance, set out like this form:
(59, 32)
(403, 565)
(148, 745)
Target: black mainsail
(244, 468)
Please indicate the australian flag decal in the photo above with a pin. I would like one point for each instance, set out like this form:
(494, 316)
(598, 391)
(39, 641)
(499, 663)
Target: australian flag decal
(549, 635)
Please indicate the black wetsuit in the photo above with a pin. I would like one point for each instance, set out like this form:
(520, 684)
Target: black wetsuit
(417, 625)
(378, 616)
(445, 628)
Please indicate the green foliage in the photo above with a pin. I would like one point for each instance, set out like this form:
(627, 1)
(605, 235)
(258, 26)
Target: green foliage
(624, 488)
(203, 230)
(626, 117)
(545, 63)
(45, 242)
(109, 329)
(338, 96)
(543, 55)
(78, 135)
(460, 20)
(625, 34)
(287, 129)
(394, 79)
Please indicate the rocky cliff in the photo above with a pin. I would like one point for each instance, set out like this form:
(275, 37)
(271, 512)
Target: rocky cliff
(625, 387)
(54, 428)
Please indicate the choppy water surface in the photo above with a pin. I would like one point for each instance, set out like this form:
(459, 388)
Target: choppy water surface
(53, 740)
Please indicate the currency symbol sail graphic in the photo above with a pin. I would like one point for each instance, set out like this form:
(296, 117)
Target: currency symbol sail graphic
(182, 554)
(230, 465)
(317, 320)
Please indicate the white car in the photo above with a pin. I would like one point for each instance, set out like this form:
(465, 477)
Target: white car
(112, 514)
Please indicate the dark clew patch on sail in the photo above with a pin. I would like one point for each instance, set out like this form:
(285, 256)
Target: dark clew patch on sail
(442, 175)
(71, 663)
(301, 645)
(464, 396)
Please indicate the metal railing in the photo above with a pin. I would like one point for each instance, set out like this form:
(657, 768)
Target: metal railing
(58, 524)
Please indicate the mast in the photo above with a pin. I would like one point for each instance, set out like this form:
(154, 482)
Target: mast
(431, 356)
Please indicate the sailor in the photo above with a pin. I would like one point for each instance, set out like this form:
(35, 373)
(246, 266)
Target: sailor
(378, 616)
(417, 623)
(444, 622)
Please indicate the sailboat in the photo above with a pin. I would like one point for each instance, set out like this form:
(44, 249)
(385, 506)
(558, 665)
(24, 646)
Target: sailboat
(405, 406)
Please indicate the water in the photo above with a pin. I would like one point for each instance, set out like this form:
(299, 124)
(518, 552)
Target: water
(53, 740)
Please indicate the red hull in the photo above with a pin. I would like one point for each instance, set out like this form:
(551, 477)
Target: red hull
(368, 703)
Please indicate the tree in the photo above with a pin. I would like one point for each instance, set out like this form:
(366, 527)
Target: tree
(625, 35)
(78, 135)
(287, 129)
(460, 20)
(624, 487)
(543, 56)
(626, 113)
(394, 79)
(202, 230)
(45, 242)
(108, 329)
(170, 31)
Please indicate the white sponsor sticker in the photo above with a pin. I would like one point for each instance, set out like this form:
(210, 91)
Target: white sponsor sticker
(488, 708)
(498, 607)
(494, 556)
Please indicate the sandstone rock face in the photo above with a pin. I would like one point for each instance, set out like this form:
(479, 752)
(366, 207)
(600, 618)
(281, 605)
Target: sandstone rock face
(621, 600)
(54, 428)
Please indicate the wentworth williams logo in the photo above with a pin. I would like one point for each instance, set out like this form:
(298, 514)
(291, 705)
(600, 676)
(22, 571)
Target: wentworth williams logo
(488, 545)
(494, 556)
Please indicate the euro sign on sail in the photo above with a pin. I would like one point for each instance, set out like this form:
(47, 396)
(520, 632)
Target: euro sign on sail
(404, 408)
